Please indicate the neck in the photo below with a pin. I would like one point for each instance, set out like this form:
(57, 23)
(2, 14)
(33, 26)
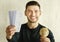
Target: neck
(32, 25)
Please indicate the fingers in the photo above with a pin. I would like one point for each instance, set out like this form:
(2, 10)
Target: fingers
(10, 30)
(45, 40)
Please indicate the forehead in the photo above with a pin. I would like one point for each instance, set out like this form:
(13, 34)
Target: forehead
(33, 7)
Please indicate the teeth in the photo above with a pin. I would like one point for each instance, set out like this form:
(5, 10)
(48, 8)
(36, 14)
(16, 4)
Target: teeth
(33, 17)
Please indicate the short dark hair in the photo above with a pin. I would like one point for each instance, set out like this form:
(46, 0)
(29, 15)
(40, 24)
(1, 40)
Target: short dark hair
(32, 3)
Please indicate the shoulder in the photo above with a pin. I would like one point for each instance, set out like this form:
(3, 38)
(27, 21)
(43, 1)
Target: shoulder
(24, 24)
(41, 26)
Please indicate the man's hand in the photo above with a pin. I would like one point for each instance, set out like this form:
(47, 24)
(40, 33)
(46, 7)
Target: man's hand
(10, 31)
(45, 40)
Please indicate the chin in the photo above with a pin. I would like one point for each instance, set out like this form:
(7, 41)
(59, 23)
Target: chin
(33, 21)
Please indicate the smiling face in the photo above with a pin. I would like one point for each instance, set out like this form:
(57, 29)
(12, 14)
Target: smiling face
(32, 12)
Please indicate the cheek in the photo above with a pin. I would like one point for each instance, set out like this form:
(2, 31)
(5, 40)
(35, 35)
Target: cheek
(27, 13)
(38, 14)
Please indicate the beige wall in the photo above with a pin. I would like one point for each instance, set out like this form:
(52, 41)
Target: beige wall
(50, 15)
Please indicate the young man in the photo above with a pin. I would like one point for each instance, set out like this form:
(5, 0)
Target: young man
(29, 31)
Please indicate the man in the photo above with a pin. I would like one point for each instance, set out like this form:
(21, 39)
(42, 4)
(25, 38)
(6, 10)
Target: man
(29, 31)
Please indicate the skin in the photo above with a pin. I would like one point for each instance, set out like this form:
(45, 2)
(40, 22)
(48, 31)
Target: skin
(10, 31)
(32, 13)
(45, 40)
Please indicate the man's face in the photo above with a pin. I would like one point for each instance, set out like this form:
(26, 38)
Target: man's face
(32, 12)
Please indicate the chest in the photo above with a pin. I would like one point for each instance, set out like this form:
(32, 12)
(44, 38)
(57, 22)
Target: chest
(31, 35)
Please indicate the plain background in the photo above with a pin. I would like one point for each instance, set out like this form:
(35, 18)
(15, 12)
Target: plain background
(50, 10)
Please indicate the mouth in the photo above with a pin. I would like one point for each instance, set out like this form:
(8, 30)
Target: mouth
(33, 18)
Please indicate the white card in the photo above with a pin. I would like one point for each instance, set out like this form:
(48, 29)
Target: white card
(12, 17)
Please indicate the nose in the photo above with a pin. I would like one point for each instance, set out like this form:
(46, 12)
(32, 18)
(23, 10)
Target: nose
(33, 13)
